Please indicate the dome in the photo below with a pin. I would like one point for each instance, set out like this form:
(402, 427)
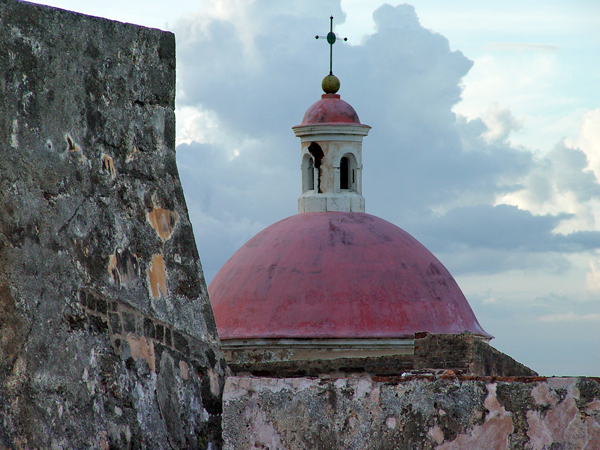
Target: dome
(336, 275)
(331, 109)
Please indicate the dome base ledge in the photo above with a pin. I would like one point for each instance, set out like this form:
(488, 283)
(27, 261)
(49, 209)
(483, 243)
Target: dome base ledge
(239, 351)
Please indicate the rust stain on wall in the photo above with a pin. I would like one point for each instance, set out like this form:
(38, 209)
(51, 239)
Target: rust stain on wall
(142, 348)
(123, 267)
(108, 165)
(163, 221)
(157, 276)
(74, 150)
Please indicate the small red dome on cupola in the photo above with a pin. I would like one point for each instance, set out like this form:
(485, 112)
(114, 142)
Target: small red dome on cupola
(331, 109)
(337, 275)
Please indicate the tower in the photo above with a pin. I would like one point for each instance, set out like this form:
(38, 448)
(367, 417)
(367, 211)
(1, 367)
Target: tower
(331, 157)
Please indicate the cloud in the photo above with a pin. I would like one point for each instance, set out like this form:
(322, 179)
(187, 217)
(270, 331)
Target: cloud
(521, 46)
(232, 196)
(416, 151)
(246, 60)
(248, 71)
(592, 278)
(561, 181)
(500, 123)
(506, 227)
(589, 139)
(531, 83)
(486, 239)
(571, 317)
(462, 261)
(248, 75)
(495, 227)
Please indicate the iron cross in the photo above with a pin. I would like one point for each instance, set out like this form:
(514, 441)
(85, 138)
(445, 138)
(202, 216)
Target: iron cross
(331, 38)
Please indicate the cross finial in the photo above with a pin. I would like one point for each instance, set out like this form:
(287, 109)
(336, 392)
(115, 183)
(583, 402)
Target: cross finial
(331, 38)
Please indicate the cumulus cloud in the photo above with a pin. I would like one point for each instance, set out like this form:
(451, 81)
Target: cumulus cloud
(251, 71)
(589, 139)
(249, 61)
(232, 194)
(504, 227)
(560, 182)
(500, 123)
(516, 79)
(247, 73)
(592, 278)
(496, 227)
(405, 80)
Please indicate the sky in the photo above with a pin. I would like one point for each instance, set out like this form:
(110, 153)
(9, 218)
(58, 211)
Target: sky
(485, 140)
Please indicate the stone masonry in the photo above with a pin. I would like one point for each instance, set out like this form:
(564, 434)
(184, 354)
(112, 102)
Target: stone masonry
(464, 354)
(107, 338)
(435, 411)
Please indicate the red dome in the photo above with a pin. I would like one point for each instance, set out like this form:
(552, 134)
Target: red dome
(336, 275)
(331, 109)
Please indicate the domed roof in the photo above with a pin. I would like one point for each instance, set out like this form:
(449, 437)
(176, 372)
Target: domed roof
(336, 275)
(331, 109)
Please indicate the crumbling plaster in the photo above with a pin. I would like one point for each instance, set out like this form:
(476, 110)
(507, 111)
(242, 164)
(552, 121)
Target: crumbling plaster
(439, 411)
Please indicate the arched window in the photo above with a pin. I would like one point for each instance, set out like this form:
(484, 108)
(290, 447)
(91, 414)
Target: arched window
(317, 152)
(348, 172)
(308, 174)
(344, 173)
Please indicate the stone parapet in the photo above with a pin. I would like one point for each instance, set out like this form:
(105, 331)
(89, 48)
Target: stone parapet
(467, 353)
(440, 411)
(356, 367)
(464, 354)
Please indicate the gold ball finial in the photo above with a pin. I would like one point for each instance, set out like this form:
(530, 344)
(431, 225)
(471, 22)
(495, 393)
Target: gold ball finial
(330, 84)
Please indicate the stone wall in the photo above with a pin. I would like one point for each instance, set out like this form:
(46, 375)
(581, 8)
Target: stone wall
(464, 353)
(434, 411)
(106, 334)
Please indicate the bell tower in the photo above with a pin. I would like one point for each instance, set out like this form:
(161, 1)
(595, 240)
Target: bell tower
(331, 156)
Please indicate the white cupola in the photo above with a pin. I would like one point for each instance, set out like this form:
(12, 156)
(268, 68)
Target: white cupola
(331, 158)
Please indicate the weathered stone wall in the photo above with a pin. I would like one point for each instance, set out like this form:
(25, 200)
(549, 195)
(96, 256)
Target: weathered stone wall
(465, 353)
(106, 333)
(441, 412)
(382, 365)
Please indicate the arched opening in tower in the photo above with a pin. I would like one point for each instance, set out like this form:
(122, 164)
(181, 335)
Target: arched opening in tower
(308, 174)
(317, 152)
(344, 175)
(348, 172)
